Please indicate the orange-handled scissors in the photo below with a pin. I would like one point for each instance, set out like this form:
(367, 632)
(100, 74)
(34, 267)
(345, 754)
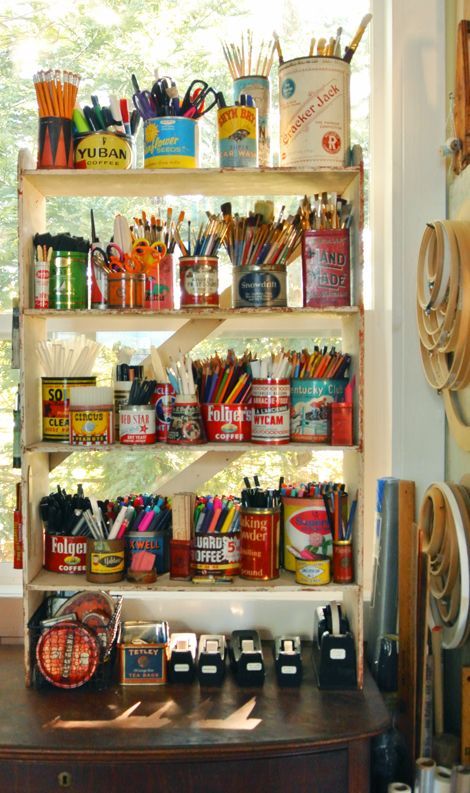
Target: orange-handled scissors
(146, 256)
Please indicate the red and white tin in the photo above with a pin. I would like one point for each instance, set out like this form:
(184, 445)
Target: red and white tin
(259, 543)
(137, 424)
(227, 423)
(270, 421)
(163, 399)
(65, 554)
(199, 281)
(326, 272)
(42, 272)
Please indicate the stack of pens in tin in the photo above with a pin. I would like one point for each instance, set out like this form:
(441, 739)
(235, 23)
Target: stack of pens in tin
(270, 418)
(215, 548)
(260, 523)
(224, 386)
(137, 424)
(186, 425)
(104, 135)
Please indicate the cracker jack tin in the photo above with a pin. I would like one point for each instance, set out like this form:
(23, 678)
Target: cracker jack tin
(216, 554)
(311, 401)
(256, 286)
(326, 272)
(199, 281)
(64, 554)
(259, 543)
(56, 405)
(171, 142)
(313, 572)
(227, 423)
(271, 411)
(259, 88)
(137, 424)
(238, 136)
(103, 151)
(306, 528)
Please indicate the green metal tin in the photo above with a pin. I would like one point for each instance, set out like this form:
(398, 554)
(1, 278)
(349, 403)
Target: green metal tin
(68, 281)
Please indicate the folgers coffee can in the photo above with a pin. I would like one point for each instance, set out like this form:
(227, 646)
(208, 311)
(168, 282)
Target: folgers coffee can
(314, 110)
(65, 554)
(311, 408)
(227, 423)
(216, 554)
(103, 151)
(199, 281)
(163, 399)
(306, 529)
(238, 136)
(270, 422)
(137, 424)
(56, 405)
(259, 543)
(313, 572)
(326, 272)
(259, 287)
(105, 561)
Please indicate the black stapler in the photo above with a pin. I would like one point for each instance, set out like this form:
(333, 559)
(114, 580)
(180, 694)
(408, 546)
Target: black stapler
(288, 660)
(246, 657)
(182, 660)
(211, 659)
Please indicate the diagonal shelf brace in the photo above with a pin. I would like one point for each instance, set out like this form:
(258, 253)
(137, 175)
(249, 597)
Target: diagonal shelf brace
(186, 337)
(193, 476)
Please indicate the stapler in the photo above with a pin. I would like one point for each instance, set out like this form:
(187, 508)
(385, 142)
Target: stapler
(246, 657)
(288, 660)
(211, 659)
(337, 664)
(182, 657)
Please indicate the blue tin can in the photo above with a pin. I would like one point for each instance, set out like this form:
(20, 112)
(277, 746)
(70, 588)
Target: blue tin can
(311, 400)
(255, 286)
(170, 142)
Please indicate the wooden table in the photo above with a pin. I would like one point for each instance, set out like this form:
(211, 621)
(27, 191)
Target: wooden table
(185, 739)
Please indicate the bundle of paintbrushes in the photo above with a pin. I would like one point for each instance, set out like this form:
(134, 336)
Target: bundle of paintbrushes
(68, 358)
(56, 92)
(248, 59)
(180, 374)
(157, 229)
(227, 381)
(62, 242)
(321, 363)
(325, 212)
(141, 392)
(214, 514)
(254, 240)
(209, 238)
(331, 47)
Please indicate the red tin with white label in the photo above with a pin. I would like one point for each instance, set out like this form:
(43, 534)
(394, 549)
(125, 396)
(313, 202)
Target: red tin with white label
(163, 399)
(270, 421)
(326, 271)
(42, 275)
(137, 424)
(199, 281)
(259, 543)
(65, 554)
(227, 423)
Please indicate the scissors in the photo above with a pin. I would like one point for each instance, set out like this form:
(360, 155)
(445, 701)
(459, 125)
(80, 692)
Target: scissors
(144, 102)
(110, 258)
(166, 97)
(146, 256)
(193, 105)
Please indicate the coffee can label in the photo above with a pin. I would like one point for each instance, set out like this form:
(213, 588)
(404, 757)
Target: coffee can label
(137, 426)
(216, 554)
(64, 554)
(270, 421)
(107, 562)
(259, 543)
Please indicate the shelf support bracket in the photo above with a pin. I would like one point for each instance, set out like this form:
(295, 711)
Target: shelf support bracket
(192, 477)
(186, 337)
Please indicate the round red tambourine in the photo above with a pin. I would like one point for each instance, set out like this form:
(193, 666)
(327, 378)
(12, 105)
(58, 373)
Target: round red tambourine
(67, 654)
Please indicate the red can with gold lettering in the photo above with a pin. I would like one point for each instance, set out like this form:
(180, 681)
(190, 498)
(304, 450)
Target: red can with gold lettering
(259, 543)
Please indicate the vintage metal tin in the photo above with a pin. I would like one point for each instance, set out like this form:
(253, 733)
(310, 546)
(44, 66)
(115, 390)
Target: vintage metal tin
(259, 543)
(103, 151)
(163, 399)
(56, 405)
(139, 541)
(341, 424)
(326, 271)
(68, 280)
(171, 142)
(238, 136)
(311, 408)
(186, 425)
(314, 109)
(142, 664)
(270, 422)
(91, 426)
(259, 287)
(313, 572)
(159, 290)
(42, 275)
(227, 423)
(55, 147)
(343, 569)
(259, 88)
(199, 281)
(126, 290)
(137, 424)
(99, 284)
(105, 561)
(306, 528)
(64, 554)
(216, 554)
(121, 397)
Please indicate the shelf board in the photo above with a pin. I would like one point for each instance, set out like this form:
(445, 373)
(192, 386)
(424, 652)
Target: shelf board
(47, 447)
(198, 313)
(198, 181)
(284, 585)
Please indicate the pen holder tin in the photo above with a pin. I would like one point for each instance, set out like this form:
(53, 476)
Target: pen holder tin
(186, 425)
(257, 286)
(237, 129)
(159, 290)
(259, 543)
(270, 418)
(137, 425)
(343, 566)
(171, 142)
(326, 272)
(141, 546)
(259, 88)
(64, 554)
(68, 280)
(180, 559)
(227, 423)
(311, 401)
(42, 276)
(55, 147)
(216, 554)
(126, 290)
(105, 561)
(199, 281)
(314, 112)
(306, 529)
(101, 151)
(341, 424)
(56, 405)
(121, 397)
(313, 572)
(163, 399)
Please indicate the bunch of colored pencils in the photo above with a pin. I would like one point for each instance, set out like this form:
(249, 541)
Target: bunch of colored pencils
(251, 241)
(277, 366)
(226, 381)
(214, 514)
(56, 92)
(325, 212)
(158, 230)
(319, 363)
(242, 61)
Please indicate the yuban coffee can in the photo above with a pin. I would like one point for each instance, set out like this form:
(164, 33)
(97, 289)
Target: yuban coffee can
(259, 543)
(270, 418)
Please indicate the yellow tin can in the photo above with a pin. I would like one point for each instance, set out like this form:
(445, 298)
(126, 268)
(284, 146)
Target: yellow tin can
(313, 572)
(238, 136)
(103, 151)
